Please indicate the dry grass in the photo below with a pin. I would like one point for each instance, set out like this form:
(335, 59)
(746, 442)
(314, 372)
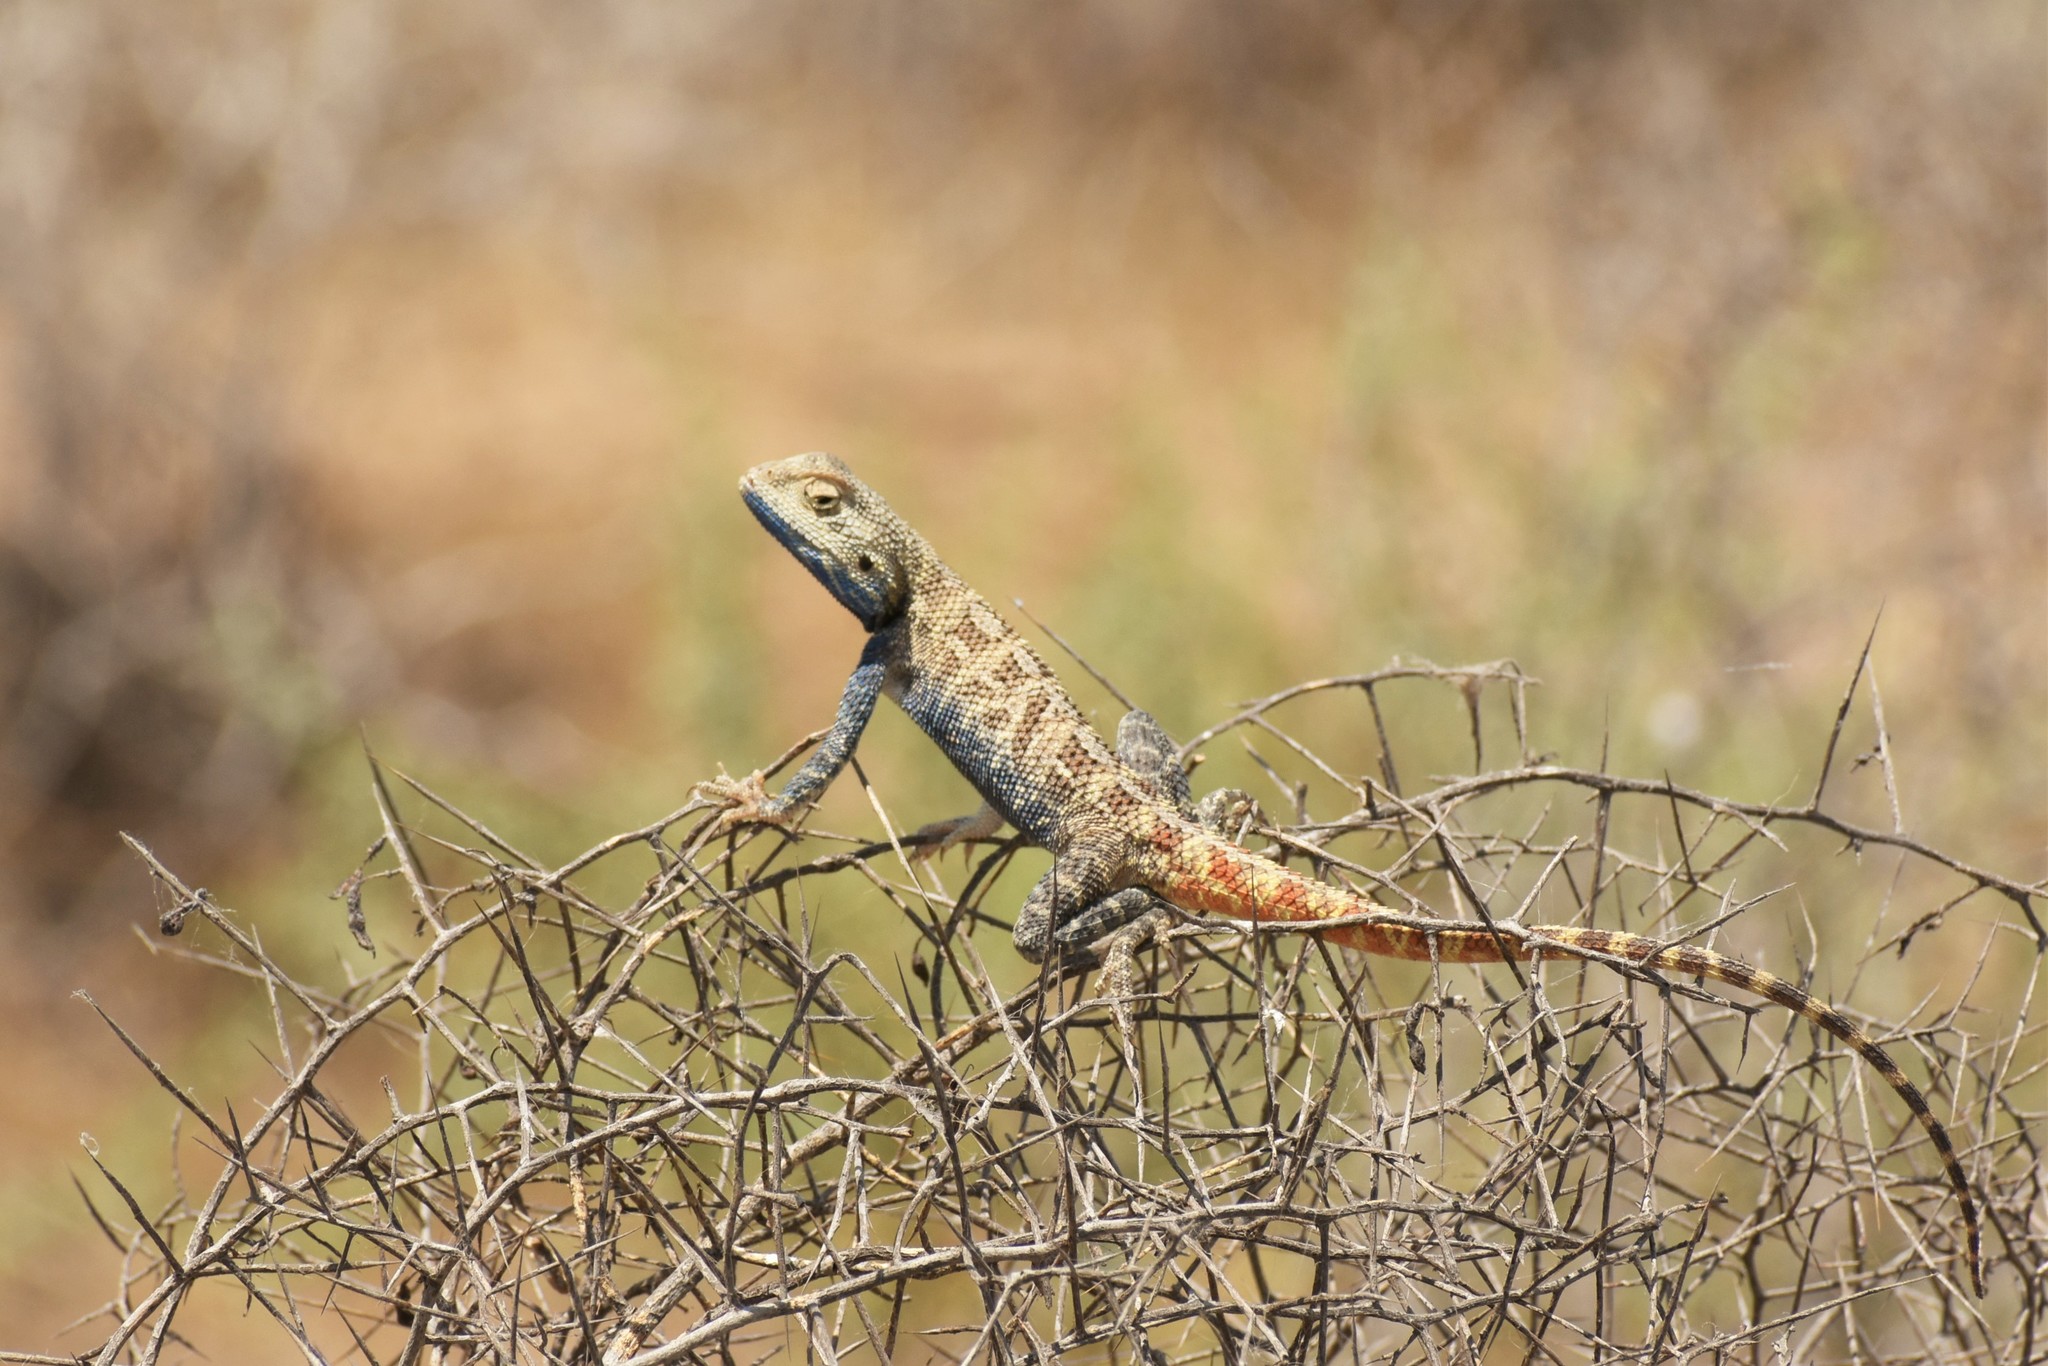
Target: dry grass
(546, 1126)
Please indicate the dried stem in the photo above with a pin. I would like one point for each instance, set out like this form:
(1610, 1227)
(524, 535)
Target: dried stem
(694, 1126)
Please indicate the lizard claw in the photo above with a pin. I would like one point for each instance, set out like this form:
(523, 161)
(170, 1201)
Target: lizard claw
(746, 802)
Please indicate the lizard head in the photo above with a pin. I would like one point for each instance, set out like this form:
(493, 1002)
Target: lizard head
(839, 528)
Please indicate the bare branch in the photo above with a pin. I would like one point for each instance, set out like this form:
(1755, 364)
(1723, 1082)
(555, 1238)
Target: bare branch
(705, 1122)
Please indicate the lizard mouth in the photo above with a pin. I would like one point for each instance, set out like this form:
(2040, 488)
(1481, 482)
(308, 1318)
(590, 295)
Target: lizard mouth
(757, 503)
(776, 524)
(842, 555)
(852, 591)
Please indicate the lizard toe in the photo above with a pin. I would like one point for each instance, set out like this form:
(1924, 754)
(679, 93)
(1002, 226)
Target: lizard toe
(745, 802)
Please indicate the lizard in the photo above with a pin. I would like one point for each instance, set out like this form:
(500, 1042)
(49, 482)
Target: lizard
(1118, 822)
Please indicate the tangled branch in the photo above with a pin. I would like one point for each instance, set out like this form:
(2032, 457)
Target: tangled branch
(703, 1120)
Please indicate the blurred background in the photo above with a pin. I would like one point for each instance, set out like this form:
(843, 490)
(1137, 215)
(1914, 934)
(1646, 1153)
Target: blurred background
(384, 370)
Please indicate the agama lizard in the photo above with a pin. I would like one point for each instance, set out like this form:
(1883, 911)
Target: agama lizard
(1119, 825)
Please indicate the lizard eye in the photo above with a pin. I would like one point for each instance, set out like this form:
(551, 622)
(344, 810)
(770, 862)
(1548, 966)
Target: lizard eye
(823, 496)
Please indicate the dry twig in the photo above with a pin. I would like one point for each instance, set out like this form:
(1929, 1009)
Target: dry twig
(549, 1126)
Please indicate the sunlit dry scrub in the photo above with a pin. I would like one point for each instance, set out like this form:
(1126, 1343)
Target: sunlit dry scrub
(385, 365)
(552, 1128)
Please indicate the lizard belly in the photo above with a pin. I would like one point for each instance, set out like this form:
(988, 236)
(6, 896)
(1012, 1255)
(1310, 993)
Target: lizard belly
(991, 757)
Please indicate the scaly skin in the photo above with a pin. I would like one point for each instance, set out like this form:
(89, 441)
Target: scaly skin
(1118, 822)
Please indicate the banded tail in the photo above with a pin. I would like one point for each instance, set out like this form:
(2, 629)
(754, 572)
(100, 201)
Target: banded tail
(1198, 872)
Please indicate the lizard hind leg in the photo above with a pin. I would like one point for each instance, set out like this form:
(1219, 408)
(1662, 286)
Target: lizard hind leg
(1068, 909)
(1148, 751)
(1073, 907)
(1121, 922)
(1082, 875)
(1130, 918)
(1127, 920)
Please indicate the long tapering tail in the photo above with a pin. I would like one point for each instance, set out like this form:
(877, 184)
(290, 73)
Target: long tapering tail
(1199, 872)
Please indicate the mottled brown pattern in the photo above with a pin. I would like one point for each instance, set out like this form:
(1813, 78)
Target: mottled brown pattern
(1002, 717)
(1033, 711)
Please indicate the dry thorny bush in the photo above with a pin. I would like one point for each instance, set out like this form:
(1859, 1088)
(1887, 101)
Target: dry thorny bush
(555, 1127)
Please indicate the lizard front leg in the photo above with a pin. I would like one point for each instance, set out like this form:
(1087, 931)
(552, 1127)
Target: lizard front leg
(746, 800)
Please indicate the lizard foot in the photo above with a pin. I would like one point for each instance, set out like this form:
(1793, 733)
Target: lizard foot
(936, 838)
(1120, 978)
(746, 802)
(1230, 812)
